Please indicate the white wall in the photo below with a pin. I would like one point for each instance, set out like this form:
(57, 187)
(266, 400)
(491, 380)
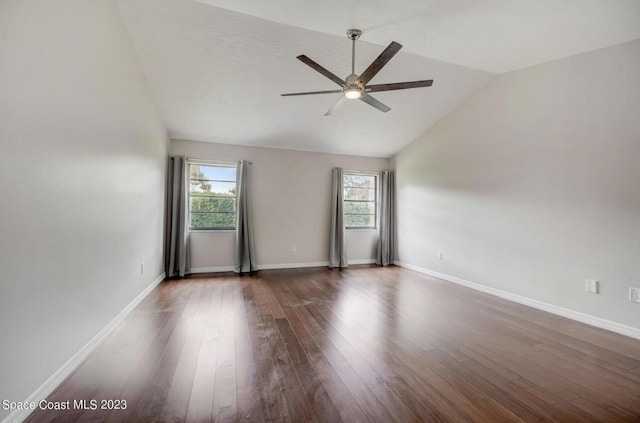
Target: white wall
(82, 171)
(291, 193)
(532, 186)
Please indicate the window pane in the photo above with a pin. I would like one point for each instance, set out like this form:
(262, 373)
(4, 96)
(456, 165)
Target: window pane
(360, 194)
(358, 220)
(359, 181)
(359, 208)
(213, 188)
(213, 220)
(218, 173)
(360, 201)
(213, 204)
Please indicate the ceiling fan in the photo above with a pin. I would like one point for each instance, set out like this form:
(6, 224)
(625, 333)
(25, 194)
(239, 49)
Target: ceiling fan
(355, 86)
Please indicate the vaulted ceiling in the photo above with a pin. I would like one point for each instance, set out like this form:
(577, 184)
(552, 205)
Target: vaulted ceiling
(217, 67)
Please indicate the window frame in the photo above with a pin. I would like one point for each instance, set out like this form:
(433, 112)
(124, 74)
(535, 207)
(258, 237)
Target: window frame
(210, 163)
(376, 201)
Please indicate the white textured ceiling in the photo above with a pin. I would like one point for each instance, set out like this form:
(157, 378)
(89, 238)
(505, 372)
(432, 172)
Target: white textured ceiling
(492, 35)
(217, 74)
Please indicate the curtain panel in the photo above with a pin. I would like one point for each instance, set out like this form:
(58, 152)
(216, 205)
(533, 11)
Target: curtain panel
(386, 239)
(337, 250)
(177, 218)
(245, 256)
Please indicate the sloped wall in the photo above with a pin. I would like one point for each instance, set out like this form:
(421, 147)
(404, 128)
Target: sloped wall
(532, 186)
(82, 171)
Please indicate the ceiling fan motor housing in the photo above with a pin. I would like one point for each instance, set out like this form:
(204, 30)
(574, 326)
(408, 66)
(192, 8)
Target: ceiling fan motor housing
(351, 79)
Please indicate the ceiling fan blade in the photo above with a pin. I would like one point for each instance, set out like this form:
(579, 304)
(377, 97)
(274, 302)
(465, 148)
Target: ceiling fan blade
(377, 64)
(398, 86)
(313, 65)
(336, 106)
(313, 92)
(375, 103)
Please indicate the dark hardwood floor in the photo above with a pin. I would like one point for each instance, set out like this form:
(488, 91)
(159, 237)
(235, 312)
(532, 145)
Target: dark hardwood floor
(365, 344)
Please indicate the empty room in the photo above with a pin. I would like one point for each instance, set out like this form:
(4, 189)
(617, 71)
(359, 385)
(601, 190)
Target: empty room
(305, 211)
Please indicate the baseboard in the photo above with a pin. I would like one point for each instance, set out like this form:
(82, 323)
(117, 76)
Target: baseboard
(293, 265)
(217, 269)
(361, 261)
(550, 308)
(214, 269)
(67, 368)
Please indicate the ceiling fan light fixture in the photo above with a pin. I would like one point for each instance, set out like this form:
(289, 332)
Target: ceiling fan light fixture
(352, 93)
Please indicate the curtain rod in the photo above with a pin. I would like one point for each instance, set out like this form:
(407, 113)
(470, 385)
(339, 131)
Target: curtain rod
(363, 171)
(204, 161)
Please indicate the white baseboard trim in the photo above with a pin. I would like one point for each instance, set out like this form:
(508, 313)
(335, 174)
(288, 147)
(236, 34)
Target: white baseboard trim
(214, 269)
(361, 261)
(293, 265)
(550, 308)
(67, 368)
(217, 269)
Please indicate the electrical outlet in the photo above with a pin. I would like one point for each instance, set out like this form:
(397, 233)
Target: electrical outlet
(592, 286)
(294, 248)
(634, 295)
(440, 256)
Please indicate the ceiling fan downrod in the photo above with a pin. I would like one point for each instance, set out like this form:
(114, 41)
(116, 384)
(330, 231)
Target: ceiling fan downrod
(353, 35)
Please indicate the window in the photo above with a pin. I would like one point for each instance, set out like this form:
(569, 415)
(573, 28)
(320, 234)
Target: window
(212, 196)
(360, 200)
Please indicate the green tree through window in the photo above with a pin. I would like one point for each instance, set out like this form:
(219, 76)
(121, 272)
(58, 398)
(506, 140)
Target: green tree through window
(212, 196)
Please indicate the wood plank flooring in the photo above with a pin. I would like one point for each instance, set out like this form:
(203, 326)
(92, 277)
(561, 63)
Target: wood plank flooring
(360, 345)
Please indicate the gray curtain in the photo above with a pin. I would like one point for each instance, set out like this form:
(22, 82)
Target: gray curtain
(245, 254)
(176, 262)
(337, 251)
(386, 237)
